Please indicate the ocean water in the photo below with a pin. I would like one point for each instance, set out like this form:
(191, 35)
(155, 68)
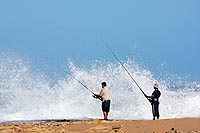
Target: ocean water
(29, 95)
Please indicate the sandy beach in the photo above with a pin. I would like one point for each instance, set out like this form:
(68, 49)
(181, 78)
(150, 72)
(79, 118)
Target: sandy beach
(184, 125)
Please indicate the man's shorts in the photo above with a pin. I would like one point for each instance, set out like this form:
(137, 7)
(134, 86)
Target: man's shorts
(106, 106)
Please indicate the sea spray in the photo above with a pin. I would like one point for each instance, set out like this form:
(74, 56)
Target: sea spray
(28, 95)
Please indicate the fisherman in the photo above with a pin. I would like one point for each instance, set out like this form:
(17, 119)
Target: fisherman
(154, 99)
(105, 98)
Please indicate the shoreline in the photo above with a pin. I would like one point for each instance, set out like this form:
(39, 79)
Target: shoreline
(181, 125)
(85, 120)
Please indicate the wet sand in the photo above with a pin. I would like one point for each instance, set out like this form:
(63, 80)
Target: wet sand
(184, 125)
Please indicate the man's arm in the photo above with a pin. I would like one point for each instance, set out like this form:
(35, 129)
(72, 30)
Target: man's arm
(148, 96)
(96, 95)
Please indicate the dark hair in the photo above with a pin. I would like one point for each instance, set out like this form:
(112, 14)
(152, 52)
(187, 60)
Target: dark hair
(103, 83)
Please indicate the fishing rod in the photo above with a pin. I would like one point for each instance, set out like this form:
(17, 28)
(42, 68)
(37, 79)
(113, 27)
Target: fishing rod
(78, 81)
(123, 67)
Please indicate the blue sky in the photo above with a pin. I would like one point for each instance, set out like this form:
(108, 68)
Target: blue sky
(152, 32)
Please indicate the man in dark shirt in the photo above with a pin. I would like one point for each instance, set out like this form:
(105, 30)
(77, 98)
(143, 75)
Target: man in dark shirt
(154, 99)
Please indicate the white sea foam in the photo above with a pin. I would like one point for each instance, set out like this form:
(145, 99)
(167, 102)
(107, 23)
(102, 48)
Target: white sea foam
(25, 95)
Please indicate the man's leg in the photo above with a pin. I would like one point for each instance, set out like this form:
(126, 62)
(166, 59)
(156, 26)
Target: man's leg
(157, 110)
(106, 109)
(153, 111)
(105, 114)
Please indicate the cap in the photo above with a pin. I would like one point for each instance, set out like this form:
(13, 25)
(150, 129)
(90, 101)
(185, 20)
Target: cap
(156, 85)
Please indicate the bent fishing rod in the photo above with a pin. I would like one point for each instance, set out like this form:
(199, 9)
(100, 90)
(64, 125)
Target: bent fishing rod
(124, 67)
(77, 80)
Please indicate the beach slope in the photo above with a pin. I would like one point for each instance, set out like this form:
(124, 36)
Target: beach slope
(184, 125)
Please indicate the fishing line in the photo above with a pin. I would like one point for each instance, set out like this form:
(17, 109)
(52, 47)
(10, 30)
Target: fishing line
(77, 80)
(123, 67)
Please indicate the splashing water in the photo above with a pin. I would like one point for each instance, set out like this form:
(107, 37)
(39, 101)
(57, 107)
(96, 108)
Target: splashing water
(25, 95)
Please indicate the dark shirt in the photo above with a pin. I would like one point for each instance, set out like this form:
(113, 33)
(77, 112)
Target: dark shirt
(156, 94)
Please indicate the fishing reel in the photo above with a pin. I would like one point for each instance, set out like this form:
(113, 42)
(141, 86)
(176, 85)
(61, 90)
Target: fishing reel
(96, 97)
